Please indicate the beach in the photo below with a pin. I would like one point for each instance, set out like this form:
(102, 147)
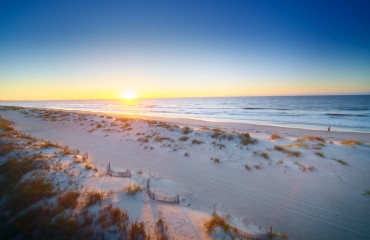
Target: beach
(308, 184)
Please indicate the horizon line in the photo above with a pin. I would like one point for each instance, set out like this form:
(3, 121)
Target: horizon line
(138, 98)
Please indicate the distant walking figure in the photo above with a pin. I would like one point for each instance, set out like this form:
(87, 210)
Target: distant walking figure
(328, 129)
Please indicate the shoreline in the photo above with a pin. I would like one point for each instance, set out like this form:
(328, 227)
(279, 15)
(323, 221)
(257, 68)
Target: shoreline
(214, 120)
(256, 128)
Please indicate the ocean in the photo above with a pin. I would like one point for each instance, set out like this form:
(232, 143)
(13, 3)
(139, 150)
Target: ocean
(341, 113)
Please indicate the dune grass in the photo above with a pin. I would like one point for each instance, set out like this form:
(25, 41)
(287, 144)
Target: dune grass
(275, 137)
(93, 198)
(195, 141)
(186, 130)
(265, 155)
(311, 138)
(320, 154)
(183, 139)
(288, 152)
(68, 200)
(247, 167)
(160, 230)
(340, 161)
(215, 160)
(366, 193)
(161, 139)
(137, 231)
(133, 189)
(350, 142)
(246, 139)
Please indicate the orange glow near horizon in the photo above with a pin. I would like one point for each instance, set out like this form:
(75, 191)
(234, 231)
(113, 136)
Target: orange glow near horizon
(155, 88)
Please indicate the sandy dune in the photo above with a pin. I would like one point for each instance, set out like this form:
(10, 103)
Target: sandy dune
(316, 195)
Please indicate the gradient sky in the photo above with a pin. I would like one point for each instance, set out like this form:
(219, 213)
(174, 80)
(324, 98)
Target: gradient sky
(97, 49)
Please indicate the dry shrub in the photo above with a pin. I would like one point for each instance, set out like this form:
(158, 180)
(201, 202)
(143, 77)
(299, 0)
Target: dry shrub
(133, 189)
(68, 200)
(350, 142)
(311, 138)
(137, 231)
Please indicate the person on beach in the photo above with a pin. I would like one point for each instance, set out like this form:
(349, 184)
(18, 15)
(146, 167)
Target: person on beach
(328, 129)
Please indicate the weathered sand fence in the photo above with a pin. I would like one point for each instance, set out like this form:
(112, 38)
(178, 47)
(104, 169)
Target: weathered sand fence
(154, 196)
(126, 174)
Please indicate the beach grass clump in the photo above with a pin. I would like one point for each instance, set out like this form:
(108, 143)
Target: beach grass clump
(6, 148)
(215, 160)
(161, 139)
(133, 189)
(265, 155)
(216, 221)
(68, 200)
(29, 192)
(320, 154)
(187, 154)
(246, 139)
(6, 125)
(350, 142)
(341, 161)
(288, 152)
(366, 193)
(93, 198)
(183, 139)
(275, 137)
(137, 231)
(195, 141)
(205, 129)
(247, 167)
(310, 138)
(117, 215)
(219, 145)
(186, 130)
(98, 125)
(258, 166)
(13, 170)
(160, 230)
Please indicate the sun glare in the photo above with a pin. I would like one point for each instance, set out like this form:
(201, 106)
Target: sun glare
(128, 94)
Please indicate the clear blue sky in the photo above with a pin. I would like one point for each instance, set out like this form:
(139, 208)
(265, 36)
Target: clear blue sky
(183, 48)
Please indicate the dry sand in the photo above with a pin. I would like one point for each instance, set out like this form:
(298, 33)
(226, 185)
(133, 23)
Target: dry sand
(318, 195)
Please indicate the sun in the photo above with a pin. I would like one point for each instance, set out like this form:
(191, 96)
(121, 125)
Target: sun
(128, 94)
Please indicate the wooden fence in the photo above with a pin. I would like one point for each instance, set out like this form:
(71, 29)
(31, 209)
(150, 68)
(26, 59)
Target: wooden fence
(154, 196)
(126, 174)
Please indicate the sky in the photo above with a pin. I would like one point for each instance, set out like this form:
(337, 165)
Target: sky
(74, 49)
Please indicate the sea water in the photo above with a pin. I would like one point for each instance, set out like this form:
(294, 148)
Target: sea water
(341, 113)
